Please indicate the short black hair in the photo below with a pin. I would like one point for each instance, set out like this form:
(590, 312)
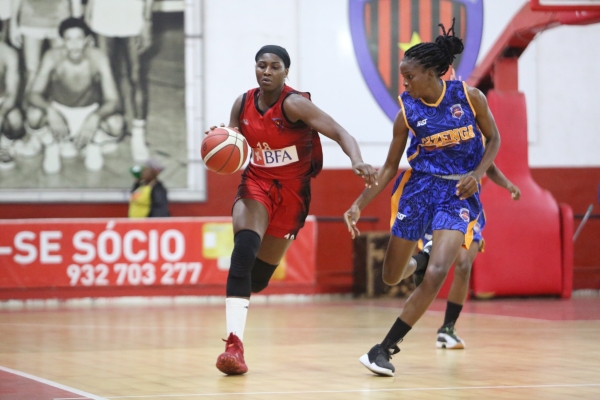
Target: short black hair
(439, 55)
(73, 22)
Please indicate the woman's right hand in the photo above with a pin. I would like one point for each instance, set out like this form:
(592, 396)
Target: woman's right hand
(351, 217)
(212, 128)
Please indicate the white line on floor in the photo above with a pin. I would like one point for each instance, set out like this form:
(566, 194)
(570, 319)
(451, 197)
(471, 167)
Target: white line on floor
(53, 384)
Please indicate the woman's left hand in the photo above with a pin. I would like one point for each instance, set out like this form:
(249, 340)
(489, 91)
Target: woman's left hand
(351, 217)
(467, 186)
(515, 192)
(367, 172)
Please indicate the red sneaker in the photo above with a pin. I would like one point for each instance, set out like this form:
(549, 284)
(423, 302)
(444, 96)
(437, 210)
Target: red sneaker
(231, 362)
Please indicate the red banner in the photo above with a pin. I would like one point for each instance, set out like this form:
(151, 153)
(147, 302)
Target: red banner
(59, 253)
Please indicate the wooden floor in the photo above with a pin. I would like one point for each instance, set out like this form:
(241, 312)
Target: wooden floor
(166, 349)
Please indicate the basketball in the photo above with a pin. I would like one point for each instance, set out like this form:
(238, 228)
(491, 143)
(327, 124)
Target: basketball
(224, 151)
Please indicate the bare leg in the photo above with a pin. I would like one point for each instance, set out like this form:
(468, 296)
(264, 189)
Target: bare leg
(137, 80)
(446, 245)
(32, 54)
(397, 258)
(462, 273)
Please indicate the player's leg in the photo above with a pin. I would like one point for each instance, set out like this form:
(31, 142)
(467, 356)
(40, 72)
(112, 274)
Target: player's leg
(446, 335)
(445, 247)
(270, 254)
(250, 221)
(418, 264)
(32, 55)
(284, 226)
(408, 226)
(109, 46)
(11, 130)
(109, 133)
(139, 92)
(37, 126)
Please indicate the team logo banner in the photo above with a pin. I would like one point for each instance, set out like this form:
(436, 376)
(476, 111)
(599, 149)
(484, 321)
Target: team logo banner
(65, 253)
(382, 31)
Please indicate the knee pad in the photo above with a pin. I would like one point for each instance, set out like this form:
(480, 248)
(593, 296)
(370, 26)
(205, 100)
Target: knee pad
(245, 247)
(261, 274)
(12, 133)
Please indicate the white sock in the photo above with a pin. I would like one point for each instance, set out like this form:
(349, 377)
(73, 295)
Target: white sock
(236, 310)
(139, 123)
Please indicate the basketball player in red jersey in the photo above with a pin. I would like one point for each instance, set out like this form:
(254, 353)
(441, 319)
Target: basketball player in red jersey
(280, 125)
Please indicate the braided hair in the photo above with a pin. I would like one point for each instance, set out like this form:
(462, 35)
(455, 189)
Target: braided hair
(438, 55)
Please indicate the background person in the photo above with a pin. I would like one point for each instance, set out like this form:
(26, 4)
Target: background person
(148, 195)
(74, 100)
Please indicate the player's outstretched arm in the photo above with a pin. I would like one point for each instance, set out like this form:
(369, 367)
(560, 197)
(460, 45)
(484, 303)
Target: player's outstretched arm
(298, 108)
(499, 179)
(384, 175)
(468, 185)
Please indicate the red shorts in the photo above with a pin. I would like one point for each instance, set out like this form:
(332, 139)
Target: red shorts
(286, 201)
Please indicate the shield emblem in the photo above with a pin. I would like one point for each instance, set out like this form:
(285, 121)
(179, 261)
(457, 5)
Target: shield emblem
(382, 30)
(456, 111)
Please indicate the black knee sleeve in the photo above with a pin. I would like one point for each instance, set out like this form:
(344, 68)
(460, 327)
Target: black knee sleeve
(245, 248)
(12, 133)
(261, 274)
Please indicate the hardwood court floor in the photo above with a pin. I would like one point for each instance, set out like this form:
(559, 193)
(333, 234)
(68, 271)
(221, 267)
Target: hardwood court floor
(166, 349)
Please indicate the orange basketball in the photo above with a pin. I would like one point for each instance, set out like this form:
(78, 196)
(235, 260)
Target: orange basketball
(224, 150)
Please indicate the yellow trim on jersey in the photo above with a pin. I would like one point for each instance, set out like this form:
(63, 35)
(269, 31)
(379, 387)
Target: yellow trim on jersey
(437, 103)
(404, 114)
(469, 234)
(469, 99)
(416, 153)
(397, 194)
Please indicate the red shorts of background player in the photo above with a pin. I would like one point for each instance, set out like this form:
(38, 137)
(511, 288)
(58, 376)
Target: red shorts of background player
(286, 201)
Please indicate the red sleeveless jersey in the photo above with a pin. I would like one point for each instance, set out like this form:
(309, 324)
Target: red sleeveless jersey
(280, 149)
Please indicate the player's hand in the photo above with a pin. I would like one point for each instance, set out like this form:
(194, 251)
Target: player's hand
(16, 38)
(515, 192)
(367, 172)
(212, 128)
(351, 217)
(89, 128)
(467, 186)
(57, 123)
(144, 41)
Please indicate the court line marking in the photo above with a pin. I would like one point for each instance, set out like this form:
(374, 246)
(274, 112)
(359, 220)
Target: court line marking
(478, 313)
(54, 384)
(353, 391)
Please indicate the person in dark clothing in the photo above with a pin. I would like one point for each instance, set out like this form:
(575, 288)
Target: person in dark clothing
(148, 195)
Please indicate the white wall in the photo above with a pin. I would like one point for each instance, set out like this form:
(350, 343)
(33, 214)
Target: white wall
(556, 74)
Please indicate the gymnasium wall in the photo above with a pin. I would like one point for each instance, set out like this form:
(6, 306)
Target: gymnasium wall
(333, 191)
(560, 97)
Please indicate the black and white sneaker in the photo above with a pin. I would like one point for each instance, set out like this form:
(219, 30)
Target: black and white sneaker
(377, 360)
(422, 263)
(448, 339)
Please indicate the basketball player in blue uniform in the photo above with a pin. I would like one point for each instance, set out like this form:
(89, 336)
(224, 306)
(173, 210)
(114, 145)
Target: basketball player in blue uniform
(446, 335)
(447, 123)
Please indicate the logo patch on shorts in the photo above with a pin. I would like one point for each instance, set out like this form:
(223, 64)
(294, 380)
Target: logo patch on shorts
(400, 216)
(464, 214)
